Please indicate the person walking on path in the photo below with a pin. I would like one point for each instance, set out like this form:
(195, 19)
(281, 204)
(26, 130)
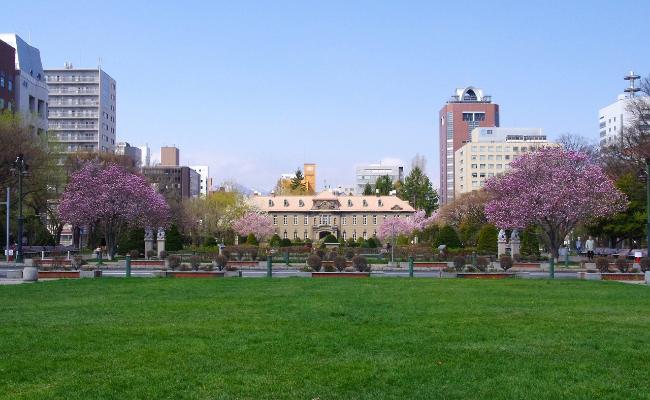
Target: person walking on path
(590, 245)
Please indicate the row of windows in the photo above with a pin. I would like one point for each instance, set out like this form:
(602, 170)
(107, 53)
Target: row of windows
(4, 82)
(301, 203)
(326, 219)
(305, 236)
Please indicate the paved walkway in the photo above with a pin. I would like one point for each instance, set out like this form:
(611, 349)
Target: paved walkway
(11, 281)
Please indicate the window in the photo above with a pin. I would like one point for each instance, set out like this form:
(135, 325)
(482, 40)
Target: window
(270, 203)
(305, 237)
(286, 203)
(306, 220)
(354, 236)
(365, 203)
(365, 220)
(301, 203)
(365, 235)
(284, 236)
(295, 221)
(344, 220)
(295, 235)
(380, 203)
(374, 220)
(275, 220)
(345, 235)
(349, 203)
(354, 220)
(285, 220)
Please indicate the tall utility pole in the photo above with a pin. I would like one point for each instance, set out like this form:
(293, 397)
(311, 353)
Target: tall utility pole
(20, 167)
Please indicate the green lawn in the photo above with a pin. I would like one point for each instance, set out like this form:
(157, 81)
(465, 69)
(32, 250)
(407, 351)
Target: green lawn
(326, 339)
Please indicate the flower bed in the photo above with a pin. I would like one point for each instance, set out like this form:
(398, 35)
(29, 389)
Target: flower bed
(616, 276)
(239, 264)
(195, 274)
(147, 263)
(48, 262)
(437, 265)
(527, 266)
(340, 274)
(58, 274)
(485, 275)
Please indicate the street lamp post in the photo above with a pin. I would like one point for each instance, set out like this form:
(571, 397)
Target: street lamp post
(20, 167)
(647, 207)
(7, 204)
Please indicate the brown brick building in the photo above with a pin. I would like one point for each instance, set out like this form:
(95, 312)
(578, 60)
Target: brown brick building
(469, 108)
(7, 76)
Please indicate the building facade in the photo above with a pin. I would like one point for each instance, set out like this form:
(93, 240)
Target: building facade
(490, 152)
(369, 173)
(174, 182)
(346, 217)
(170, 156)
(83, 109)
(134, 153)
(204, 178)
(29, 86)
(7, 76)
(467, 109)
(145, 151)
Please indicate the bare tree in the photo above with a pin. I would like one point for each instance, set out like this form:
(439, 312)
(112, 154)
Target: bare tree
(580, 144)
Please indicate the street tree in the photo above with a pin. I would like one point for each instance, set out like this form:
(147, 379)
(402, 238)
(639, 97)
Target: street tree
(112, 200)
(258, 224)
(418, 191)
(555, 189)
(384, 185)
(367, 190)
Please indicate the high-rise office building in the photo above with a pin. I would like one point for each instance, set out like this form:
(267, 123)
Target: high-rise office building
(7, 76)
(204, 178)
(169, 156)
(28, 84)
(369, 173)
(176, 183)
(614, 118)
(309, 173)
(490, 152)
(145, 152)
(83, 106)
(467, 109)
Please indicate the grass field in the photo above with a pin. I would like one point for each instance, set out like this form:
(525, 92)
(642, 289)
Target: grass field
(326, 339)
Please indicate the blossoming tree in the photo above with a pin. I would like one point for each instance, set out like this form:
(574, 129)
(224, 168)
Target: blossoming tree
(554, 189)
(259, 224)
(392, 226)
(112, 199)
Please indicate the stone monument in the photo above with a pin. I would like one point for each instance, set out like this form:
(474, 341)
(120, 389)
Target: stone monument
(161, 241)
(148, 241)
(502, 243)
(515, 243)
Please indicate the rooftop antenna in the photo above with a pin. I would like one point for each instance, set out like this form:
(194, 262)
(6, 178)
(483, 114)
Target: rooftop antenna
(632, 77)
(99, 63)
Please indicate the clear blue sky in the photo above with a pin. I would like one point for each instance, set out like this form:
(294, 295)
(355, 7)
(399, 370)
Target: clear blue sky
(254, 89)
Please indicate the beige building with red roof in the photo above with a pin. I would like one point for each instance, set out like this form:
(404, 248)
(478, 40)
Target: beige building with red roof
(314, 217)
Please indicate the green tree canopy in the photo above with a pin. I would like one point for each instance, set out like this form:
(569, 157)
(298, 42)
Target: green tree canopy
(297, 183)
(448, 237)
(418, 191)
(529, 242)
(367, 190)
(487, 240)
(173, 239)
(384, 184)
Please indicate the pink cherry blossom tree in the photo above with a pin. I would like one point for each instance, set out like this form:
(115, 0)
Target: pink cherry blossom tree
(257, 223)
(393, 226)
(552, 188)
(112, 199)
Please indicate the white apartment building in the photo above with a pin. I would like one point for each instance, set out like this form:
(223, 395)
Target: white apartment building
(368, 173)
(612, 119)
(30, 87)
(204, 178)
(82, 111)
(490, 152)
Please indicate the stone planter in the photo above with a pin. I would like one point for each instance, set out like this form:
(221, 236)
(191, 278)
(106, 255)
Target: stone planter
(485, 275)
(247, 264)
(58, 274)
(590, 276)
(146, 263)
(30, 274)
(95, 273)
(232, 274)
(527, 266)
(444, 274)
(15, 274)
(195, 274)
(340, 274)
(615, 276)
(436, 265)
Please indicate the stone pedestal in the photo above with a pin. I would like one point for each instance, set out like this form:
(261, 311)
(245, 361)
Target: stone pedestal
(502, 243)
(515, 242)
(148, 242)
(161, 241)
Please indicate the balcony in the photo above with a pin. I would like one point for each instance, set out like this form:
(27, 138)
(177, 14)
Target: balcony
(74, 92)
(73, 104)
(67, 79)
(74, 115)
(74, 127)
(78, 139)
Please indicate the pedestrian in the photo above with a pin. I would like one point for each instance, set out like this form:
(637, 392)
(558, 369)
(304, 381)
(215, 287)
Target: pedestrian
(578, 245)
(590, 246)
